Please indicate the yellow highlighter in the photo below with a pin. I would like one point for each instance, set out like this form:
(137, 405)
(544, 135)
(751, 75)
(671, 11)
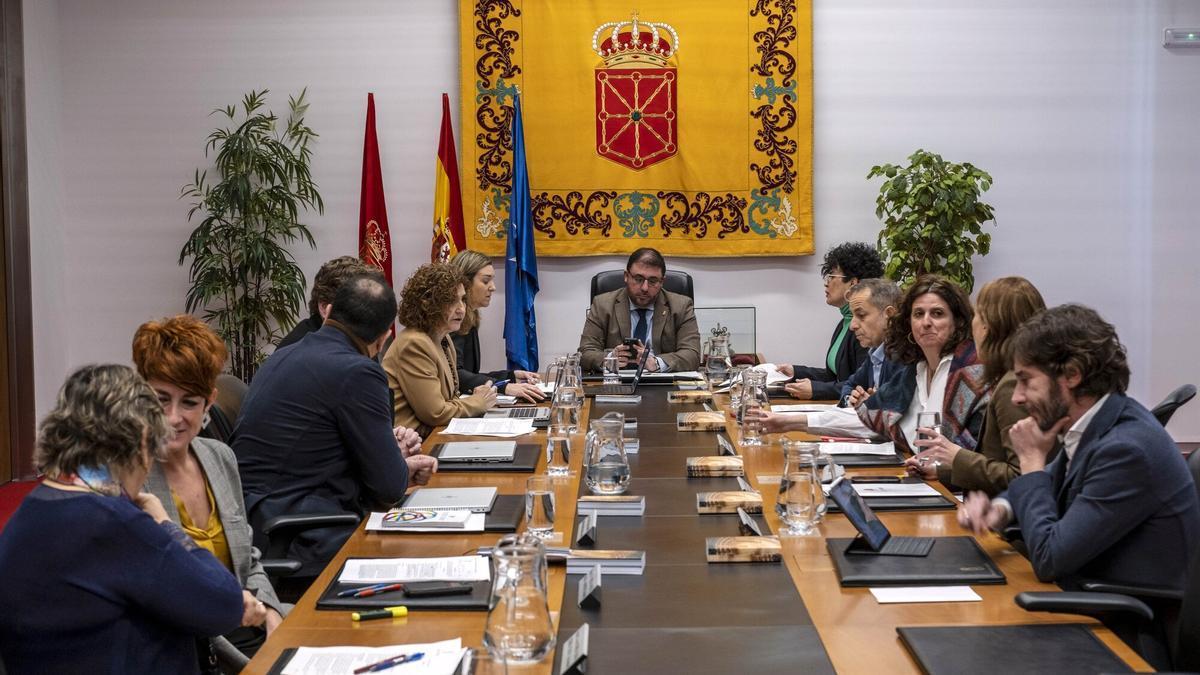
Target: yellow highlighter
(385, 613)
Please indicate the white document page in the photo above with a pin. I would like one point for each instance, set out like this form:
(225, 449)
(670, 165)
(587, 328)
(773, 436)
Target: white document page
(804, 408)
(440, 658)
(503, 427)
(457, 568)
(895, 490)
(835, 449)
(474, 524)
(925, 594)
(773, 374)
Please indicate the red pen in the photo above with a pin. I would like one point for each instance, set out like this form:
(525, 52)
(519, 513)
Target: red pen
(368, 592)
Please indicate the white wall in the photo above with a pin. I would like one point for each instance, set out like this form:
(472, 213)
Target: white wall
(1073, 106)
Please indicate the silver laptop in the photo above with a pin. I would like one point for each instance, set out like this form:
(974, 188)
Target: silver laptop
(477, 451)
(523, 412)
(474, 499)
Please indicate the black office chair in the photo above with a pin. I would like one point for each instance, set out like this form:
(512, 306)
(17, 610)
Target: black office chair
(1193, 462)
(674, 281)
(1163, 411)
(280, 532)
(1160, 624)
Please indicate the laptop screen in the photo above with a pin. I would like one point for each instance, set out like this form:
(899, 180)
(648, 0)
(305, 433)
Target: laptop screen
(860, 515)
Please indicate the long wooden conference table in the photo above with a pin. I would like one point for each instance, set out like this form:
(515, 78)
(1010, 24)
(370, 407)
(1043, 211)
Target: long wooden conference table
(684, 615)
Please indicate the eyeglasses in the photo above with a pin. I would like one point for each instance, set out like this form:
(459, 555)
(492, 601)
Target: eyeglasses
(640, 280)
(826, 277)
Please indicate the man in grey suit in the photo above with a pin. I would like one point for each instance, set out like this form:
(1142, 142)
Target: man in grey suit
(658, 319)
(1117, 504)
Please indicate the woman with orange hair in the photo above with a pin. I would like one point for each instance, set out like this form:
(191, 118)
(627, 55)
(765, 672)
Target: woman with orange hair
(198, 480)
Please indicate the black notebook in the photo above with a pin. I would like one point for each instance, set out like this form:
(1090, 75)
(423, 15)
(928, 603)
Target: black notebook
(953, 561)
(1052, 649)
(902, 503)
(525, 459)
(477, 599)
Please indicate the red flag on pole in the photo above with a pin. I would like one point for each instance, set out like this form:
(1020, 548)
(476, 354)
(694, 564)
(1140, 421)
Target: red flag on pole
(374, 239)
(449, 237)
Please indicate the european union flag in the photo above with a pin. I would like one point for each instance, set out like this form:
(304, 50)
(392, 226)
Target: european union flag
(520, 268)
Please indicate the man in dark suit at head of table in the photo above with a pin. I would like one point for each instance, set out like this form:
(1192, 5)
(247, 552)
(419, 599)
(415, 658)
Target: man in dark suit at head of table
(315, 434)
(1117, 504)
(660, 320)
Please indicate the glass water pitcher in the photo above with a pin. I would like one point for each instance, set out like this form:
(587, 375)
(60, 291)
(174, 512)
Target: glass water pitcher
(606, 466)
(518, 624)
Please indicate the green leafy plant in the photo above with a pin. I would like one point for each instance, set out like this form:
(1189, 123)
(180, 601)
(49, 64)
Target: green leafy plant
(932, 218)
(242, 274)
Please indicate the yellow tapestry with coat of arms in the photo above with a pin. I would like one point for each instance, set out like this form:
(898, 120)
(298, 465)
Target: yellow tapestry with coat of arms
(685, 126)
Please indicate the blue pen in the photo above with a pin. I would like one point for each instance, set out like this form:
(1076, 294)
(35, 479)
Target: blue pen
(351, 591)
(389, 663)
(499, 384)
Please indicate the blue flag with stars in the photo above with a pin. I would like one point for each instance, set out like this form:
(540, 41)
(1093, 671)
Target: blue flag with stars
(520, 266)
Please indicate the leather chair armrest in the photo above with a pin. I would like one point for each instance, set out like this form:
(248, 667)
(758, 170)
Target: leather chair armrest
(1087, 604)
(280, 530)
(1136, 591)
(277, 568)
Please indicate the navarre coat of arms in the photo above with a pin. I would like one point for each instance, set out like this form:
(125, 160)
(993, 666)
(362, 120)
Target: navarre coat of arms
(636, 112)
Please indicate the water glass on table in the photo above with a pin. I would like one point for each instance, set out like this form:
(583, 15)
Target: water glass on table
(930, 420)
(539, 506)
(612, 370)
(558, 449)
(568, 400)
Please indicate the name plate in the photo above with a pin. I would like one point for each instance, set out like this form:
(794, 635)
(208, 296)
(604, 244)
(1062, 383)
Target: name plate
(748, 526)
(711, 466)
(586, 533)
(728, 502)
(743, 550)
(589, 589)
(574, 653)
(724, 447)
(689, 396)
(700, 421)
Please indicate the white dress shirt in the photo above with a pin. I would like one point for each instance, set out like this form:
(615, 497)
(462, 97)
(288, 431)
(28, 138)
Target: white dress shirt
(927, 398)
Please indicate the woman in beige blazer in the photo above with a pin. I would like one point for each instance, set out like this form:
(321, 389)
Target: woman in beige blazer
(421, 366)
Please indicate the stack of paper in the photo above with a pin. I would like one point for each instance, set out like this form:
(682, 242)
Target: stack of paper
(440, 658)
(489, 426)
(378, 570)
(803, 407)
(925, 594)
(895, 490)
(849, 448)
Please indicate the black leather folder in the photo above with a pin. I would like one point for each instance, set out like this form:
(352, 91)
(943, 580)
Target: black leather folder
(953, 561)
(868, 460)
(525, 459)
(1052, 649)
(477, 599)
(506, 514)
(901, 503)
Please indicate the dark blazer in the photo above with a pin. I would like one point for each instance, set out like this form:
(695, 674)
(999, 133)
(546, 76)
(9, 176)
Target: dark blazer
(865, 376)
(1124, 511)
(315, 436)
(310, 325)
(676, 338)
(826, 383)
(466, 348)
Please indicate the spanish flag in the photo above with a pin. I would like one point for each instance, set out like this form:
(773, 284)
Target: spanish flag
(448, 235)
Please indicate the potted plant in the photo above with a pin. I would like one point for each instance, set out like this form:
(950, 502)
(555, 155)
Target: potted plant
(242, 273)
(932, 218)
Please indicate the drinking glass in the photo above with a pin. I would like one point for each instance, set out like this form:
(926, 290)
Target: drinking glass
(612, 372)
(565, 407)
(930, 420)
(735, 387)
(558, 449)
(539, 506)
(754, 398)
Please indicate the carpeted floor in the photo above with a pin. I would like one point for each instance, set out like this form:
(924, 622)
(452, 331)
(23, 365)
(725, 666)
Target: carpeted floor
(11, 495)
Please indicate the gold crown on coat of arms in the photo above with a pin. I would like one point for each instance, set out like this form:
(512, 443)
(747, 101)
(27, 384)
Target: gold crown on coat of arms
(635, 43)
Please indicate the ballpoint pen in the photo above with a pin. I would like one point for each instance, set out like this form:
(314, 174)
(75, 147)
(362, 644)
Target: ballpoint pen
(389, 663)
(376, 590)
(355, 591)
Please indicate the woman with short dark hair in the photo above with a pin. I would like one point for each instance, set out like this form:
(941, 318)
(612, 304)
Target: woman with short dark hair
(930, 336)
(844, 266)
(421, 365)
(1001, 307)
(96, 577)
